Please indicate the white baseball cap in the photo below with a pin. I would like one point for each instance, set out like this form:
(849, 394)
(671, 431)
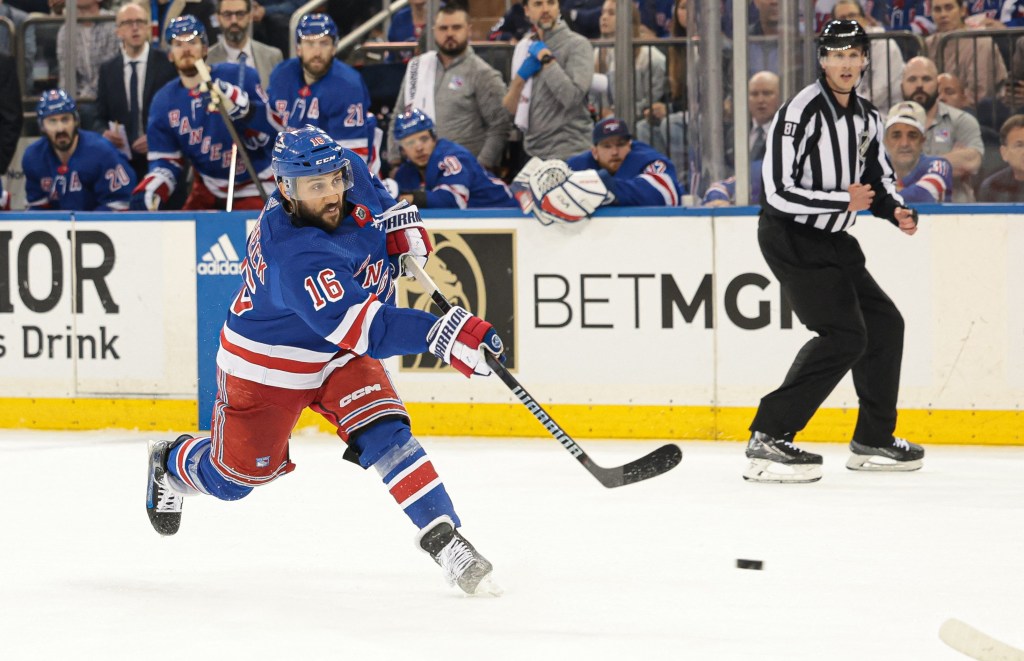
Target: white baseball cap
(907, 112)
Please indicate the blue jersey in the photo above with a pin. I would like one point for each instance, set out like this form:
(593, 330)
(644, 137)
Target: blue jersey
(180, 127)
(97, 177)
(338, 103)
(453, 179)
(646, 178)
(311, 300)
(725, 190)
(913, 15)
(931, 180)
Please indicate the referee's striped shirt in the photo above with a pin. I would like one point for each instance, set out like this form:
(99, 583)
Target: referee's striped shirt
(816, 149)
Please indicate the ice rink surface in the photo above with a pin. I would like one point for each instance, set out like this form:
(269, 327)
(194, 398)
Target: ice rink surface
(322, 565)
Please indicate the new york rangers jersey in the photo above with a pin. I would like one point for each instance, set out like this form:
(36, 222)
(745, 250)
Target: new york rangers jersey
(931, 180)
(97, 177)
(338, 103)
(645, 178)
(311, 300)
(453, 179)
(181, 127)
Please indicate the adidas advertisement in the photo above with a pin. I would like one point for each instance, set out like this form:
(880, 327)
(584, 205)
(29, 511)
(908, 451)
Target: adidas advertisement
(219, 259)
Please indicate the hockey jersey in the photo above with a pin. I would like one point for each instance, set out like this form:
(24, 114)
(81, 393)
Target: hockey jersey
(646, 178)
(453, 179)
(97, 177)
(725, 190)
(311, 300)
(931, 180)
(181, 127)
(338, 103)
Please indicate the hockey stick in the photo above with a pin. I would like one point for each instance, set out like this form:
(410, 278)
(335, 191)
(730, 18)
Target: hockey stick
(966, 639)
(651, 465)
(204, 75)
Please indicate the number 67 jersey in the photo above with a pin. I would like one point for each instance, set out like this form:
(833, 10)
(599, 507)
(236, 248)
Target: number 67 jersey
(311, 300)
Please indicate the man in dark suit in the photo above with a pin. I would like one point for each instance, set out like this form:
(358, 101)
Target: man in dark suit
(140, 68)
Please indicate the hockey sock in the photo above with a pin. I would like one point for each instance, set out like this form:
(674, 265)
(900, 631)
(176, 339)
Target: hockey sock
(190, 462)
(406, 470)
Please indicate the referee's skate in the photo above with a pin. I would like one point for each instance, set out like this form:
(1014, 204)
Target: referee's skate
(779, 460)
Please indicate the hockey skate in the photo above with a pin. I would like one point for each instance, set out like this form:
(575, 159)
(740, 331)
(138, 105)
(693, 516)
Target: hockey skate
(163, 500)
(778, 460)
(900, 455)
(462, 564)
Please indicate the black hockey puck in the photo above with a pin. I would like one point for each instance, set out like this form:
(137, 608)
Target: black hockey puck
(749, 564)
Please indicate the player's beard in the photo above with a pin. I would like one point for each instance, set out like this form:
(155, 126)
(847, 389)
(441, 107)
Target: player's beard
(63, 141)
(316, 69)
(327, 216)
(452, 51)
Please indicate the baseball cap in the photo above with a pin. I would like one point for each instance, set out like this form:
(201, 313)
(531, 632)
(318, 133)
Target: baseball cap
(609, 127)
(907, 112)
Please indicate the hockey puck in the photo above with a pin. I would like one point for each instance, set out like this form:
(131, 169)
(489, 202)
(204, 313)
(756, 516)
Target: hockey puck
(749, 564)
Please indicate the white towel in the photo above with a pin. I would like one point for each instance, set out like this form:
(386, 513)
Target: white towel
(419, 84)
(519, 55)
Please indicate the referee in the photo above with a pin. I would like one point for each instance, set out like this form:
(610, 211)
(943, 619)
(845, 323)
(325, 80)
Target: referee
(824, 163)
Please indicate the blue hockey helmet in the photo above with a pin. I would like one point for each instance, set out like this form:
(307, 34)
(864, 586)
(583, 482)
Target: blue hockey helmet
(411, 122)
(307, 152)
(314, 26)
(185, 28)
(55, 102)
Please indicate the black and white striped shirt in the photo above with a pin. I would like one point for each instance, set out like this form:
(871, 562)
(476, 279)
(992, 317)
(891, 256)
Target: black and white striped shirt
(816, 149)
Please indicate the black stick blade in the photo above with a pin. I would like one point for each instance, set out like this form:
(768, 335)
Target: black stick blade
(650, 465)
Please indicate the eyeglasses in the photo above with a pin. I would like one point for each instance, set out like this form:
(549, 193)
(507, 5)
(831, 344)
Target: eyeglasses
(237, 15)
(134, 23)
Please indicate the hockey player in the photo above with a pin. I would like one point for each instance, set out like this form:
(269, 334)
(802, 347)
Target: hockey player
(632, 171)
(73, 169)
(440, 173)
(182, 126)
(309, 326)
(919, 178)
(316, 89)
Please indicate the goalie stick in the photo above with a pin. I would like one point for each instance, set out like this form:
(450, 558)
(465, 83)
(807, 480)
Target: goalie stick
(966, 639)
(651, 465)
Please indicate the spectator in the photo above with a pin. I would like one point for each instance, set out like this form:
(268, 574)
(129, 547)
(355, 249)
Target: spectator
(919, 178)
(763, 51)
(440, 174)
(407, 24)
(460, 89)
(951, 92)
(583, 16)
(127, 84)
(764, 96)
(236, 47)
(10, 121)
(96, 43)
(885, 69)
(317, 90)
(993, 14)
(977, 62)
(632, 171)
(72, 169)
(950, 133)
(649, 65)
(554, 67)
(512, 26)
(180, 111)
(1007, 185)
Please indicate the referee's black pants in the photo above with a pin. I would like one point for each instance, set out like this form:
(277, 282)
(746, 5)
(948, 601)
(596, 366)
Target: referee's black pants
(858, 326)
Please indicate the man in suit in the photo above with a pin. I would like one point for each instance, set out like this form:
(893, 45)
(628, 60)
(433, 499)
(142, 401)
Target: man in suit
(235, 46)
(138, 70)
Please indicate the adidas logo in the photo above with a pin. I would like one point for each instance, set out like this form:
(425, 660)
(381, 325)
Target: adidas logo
(220, 259)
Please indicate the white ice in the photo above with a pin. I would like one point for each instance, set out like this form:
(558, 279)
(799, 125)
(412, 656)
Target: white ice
(322, 565)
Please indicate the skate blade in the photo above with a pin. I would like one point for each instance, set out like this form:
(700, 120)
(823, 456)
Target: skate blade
(487, 587)
(763, 470)
(874, 463)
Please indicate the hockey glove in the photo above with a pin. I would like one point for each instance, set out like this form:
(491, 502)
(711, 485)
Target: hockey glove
(236, 100)
(460, 339)
(529, 68)
(406, 235)
(153, 190)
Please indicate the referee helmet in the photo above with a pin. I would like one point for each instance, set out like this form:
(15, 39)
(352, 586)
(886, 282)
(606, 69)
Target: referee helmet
(841, 35)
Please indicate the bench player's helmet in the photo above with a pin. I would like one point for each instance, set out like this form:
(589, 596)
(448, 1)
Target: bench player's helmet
(185, 28)
(841, 35)
(307, 152)
(411, 122)
(314, 26)
(55, 102)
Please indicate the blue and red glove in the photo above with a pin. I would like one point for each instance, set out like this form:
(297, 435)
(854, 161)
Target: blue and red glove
(460, 339)
(405, 235)
(153, 191)
(236, 100)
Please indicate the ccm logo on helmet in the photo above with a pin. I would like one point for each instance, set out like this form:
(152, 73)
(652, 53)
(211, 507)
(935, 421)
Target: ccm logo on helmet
(361, 392)
(324, 160)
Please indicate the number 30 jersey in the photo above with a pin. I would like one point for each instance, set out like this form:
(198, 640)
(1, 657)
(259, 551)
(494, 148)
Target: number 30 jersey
(311, 300)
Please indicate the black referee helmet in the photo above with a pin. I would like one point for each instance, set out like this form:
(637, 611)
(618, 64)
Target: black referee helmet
(841, 35)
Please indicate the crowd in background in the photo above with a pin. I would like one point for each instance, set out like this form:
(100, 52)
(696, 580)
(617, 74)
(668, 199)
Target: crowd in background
(546, 99)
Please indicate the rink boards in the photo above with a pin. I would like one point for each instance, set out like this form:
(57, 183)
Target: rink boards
(637, 324)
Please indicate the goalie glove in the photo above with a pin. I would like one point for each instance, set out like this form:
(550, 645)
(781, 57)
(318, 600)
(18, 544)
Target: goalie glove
(236, 100)
(406, 235)
(563, 196)
(153, 190)
(460, 339)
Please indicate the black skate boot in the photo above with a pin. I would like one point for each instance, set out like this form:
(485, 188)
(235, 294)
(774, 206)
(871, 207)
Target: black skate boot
(164, 493)
(778, 460)
(899, 455)
(462, 564)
